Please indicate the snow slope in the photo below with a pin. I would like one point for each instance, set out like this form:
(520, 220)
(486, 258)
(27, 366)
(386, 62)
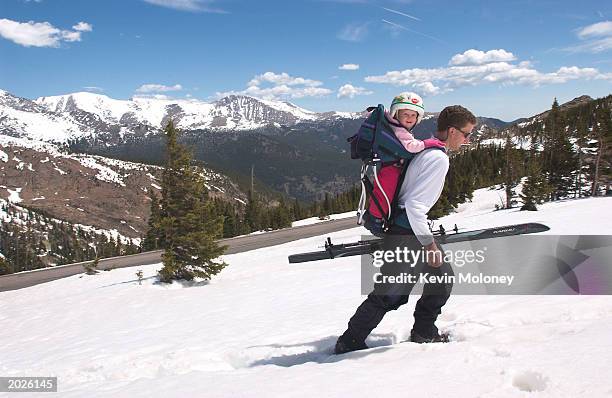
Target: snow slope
(21, 117)
(108, 109)
(264, 328)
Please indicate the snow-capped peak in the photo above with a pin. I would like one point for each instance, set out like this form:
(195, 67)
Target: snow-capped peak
(108, 109)
(83, 113)
(231, 112)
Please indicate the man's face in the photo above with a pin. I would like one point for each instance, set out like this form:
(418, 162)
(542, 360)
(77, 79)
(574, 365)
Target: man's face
(459, 135)
(407, 118)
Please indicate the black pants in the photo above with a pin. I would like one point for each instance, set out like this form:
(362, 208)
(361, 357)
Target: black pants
(387, 297)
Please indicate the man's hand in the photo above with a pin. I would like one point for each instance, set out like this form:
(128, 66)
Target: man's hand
(434, 255)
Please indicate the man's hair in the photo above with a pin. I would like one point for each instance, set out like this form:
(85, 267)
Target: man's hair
(454, 115)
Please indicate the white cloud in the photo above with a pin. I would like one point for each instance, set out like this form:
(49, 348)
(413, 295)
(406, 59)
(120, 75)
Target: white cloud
(188, 5)
(158, 88)
(353, 32)
(280, 86)
(428, 88)
(592, 46)
(284, 91)
(596, 38)
(349, 67)
(93, 88)
(595, 30)
(282, 78)
(440, 80)
(38, 34)
(82, 27)
(153, 96)
(477, 57)
(71, 36)
(351, 91)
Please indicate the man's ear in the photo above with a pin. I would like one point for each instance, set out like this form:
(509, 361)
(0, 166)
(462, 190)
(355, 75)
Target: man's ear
(441, 135)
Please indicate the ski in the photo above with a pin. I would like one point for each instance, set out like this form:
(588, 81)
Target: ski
(369, 246)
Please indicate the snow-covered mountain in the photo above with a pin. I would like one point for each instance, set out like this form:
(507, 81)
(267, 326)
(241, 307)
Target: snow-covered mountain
(564, 107)
(72, 116)
(494, 132)
(274, 337)
(232, 112)
(20, 117)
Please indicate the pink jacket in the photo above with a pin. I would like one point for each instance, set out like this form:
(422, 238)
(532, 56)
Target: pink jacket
(411, 144)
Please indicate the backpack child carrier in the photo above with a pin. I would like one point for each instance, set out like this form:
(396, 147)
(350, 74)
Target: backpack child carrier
(384, 158)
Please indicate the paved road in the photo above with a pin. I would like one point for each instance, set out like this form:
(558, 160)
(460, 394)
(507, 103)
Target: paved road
(235, 245)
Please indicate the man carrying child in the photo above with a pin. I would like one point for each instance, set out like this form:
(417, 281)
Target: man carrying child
(419, 191)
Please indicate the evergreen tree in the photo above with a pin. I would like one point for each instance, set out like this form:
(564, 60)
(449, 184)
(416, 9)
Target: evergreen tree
(582, 134)
(603, 130)
(253, 214)
(187, 218)
(326, 207)
(511, 169)
(297, 211)
(111, 247)
(153, 238)
(559, 157)
(5, 268)
(442, 206)
(131, 248)
(536, 188)
(229, 221)
(282, 218)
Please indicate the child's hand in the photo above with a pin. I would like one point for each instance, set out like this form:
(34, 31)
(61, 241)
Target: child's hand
(433, 143)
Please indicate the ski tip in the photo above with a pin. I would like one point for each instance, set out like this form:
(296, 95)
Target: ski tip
(538, 227)
(520, 229)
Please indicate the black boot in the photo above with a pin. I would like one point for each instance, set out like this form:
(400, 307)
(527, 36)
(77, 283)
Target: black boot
(347, 343)
(435, 337)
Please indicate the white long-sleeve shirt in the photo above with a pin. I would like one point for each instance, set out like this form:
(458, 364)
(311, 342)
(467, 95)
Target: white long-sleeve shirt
(421, 189)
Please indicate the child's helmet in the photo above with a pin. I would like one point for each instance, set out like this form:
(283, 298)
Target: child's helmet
(410, 101)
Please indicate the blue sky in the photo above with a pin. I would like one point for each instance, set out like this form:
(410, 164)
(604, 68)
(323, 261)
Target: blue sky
(504, 59)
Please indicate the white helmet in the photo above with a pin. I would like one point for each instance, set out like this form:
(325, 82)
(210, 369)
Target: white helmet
(410, 101)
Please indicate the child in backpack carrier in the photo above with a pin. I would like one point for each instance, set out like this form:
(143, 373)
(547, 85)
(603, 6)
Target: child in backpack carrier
(407, 110)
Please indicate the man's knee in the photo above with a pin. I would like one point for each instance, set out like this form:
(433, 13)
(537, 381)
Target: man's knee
(392, 302)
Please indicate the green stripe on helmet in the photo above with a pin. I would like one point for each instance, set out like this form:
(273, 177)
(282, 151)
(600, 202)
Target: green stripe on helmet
(408, 103)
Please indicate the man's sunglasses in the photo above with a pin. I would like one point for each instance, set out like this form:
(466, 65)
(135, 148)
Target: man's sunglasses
(465, 135)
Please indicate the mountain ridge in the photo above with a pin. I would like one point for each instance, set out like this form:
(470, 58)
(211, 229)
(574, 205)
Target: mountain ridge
(84, 114)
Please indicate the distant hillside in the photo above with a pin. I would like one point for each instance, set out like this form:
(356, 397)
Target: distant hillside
(84, 189)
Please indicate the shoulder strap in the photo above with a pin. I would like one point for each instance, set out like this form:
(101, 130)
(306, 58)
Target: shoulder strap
(400, 182)
(394, 205)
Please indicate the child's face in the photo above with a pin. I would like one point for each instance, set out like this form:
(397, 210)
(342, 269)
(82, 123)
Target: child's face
(407, 118)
